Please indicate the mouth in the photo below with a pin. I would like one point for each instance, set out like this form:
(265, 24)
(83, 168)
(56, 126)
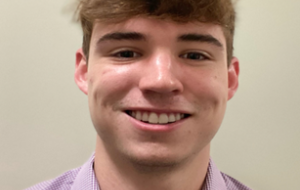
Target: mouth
(157, 118)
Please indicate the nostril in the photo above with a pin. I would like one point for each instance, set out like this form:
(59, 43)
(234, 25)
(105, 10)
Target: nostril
(161, 84)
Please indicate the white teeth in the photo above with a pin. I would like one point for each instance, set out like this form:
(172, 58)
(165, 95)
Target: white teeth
(163, 118)
(172, 117)
(138, 115)
(133, 113)
(145, 116)
(153, 118)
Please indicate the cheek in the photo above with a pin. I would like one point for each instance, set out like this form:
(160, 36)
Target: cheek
(207, 90)
(208, 84)
(107, 85)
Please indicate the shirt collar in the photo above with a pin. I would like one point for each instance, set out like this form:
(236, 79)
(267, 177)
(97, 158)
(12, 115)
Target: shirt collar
(214, 178)
(86, 178)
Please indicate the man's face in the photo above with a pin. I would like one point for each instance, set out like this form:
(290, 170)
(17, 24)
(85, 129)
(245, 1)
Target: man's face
(157, 89)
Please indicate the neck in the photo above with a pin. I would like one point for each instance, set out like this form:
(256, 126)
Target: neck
(115, 173)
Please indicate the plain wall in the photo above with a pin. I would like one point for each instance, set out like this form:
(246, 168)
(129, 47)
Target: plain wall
(45, 127)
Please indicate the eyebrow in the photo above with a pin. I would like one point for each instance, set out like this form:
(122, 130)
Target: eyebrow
(200, 38)
(192, 37)
(122, 36)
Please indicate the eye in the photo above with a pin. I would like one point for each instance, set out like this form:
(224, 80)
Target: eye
(126, 54)
(194, 56)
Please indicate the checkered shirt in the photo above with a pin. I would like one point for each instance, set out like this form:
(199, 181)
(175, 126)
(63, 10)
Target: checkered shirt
(83, 178)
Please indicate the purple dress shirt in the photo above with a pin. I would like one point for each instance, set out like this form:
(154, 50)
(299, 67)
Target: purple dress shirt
(83, 178)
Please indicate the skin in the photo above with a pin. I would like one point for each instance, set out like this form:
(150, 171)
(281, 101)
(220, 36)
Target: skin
(157, 73)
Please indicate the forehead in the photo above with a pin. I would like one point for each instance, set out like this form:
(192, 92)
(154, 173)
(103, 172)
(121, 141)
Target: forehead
(153, 27)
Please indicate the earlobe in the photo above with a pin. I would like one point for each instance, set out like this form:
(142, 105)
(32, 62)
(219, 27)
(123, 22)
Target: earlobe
(81, 71)
(233, 77)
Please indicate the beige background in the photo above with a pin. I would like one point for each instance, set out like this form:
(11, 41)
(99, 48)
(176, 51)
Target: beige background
(45, 127)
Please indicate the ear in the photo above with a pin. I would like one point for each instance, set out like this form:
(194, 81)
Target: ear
(233, 77)
(81, 71)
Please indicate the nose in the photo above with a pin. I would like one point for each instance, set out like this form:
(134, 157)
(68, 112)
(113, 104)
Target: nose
(161, 75)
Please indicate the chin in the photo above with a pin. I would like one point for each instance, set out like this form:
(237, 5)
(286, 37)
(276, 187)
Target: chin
(154, 160)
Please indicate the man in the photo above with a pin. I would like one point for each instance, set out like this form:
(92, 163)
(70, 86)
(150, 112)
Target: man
(158, 75)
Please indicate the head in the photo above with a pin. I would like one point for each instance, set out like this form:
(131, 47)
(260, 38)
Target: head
(220, 12)
(158, 75)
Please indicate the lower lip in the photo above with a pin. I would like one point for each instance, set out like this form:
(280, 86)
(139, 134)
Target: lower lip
(155, 127)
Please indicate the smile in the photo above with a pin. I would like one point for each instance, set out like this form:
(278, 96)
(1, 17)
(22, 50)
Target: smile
(157, 118)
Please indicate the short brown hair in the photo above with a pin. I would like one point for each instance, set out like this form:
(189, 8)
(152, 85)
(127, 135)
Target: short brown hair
(219, 12)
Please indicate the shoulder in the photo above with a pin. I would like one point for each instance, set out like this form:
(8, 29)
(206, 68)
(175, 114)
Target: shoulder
(76, 179)
(62, 182)
(232, 183)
